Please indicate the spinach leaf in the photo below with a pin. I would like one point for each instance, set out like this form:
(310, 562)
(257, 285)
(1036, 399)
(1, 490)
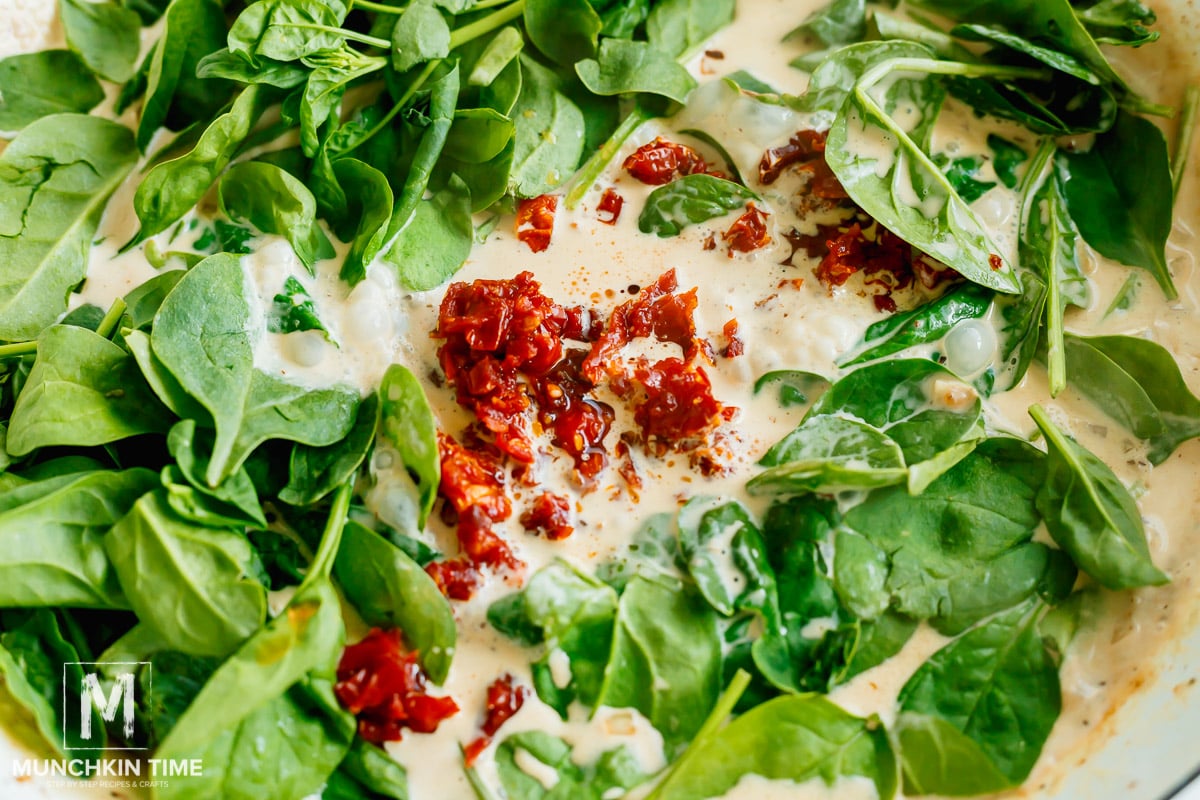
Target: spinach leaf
(55, 178)
(565, 30)
(964, 176)
(293, 311)
(478, 135)
(549, 132)
(1049, 243)
(275, 202)
(677, 27)
(200, 596)
(437, 239)
(173, 187)
(904, 189)
(1020, 317)
(420, 34)
(407, 426)
(690, 200)
(105, 35)
(828, 454)
(231, 66)
(37, 85)
(653, 552)
(206, 347)
(796, 387)
(277, 29)
(565, 610)
(83, 390)
(615, 770)
(926, 323)
(162, 382)
(974, 717)
(53, 531)
(142, 302)
(1091, 514)
(303, 642)
(623, 66)
(839, 22)
(390, 590)
(371, 205)
(665, 661)
(1139, 384)
(443, 97)
(1007, 158)
(833, 80)
(883, 26)
(38, 665)
(191, 447)
(499, 52)
(715, 535)
(789, 738)
(314, 472)
(955, 554)
(367, 772)
(1120, 196)
(191, 30)
(1118, 22)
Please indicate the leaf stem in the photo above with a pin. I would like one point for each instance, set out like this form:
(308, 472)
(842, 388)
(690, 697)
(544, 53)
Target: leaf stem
(1040, 171)
(413, 88)
(1187, 129)
(590, 172)
(487, 24)
(716, 718)
(108, 325)
(353, 36)
(18, 349)
(331, 537)
(379, 8)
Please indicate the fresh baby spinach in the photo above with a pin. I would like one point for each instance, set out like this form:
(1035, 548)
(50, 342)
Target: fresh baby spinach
(614, 770)
(275, 202)
(830, 454)
(314, 472)
(1091, 514)
(407, 424)
(623, 66)
(690, 200)
(105, 35)
(716, 534)
(293, 311)
(564, 30)
(840, 22)
(191, 447)
(37, 85)
(926, 323)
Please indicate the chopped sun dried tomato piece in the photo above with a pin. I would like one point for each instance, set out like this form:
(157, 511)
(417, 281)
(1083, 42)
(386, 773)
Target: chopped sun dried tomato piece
(456, 578)
(803, 145)
(474, 485)
(734, 346)
(535, 221)
(748, 232)
(577, 422)
(384, 687)
(679, 409)
(550, 515)
(503, 701)
(609, 210)
(662, 161)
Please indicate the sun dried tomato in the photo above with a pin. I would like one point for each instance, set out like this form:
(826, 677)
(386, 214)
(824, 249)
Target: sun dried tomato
(822, 182)
(662, 161)
(474, 485)
(503, 701)
(535, 220)
(577, 422)
(609, 210)
(678, 410)
(549, 515)
(456, 578)
(734, 346)
(748, 232)
(803, 146)
(385, 688)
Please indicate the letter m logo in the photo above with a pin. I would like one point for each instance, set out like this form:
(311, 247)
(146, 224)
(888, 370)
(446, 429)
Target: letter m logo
(106, 701)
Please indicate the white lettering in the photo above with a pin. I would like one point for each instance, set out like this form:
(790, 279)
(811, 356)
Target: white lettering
(92, 691)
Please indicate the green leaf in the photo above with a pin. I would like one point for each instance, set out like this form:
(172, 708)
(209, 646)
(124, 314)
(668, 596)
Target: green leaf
(479, 135)
(191, 447)
(390, 590)
(565, 30)
(839, 22)
(408, 427)
(83, 390)
(199, 595)
(500, 51)
(726, 556)
(624, 66)
(833, 80)
(105, 35)
(1120, 197)
(974, 717)
(665, 661)
(142, 302)
(549, 133)
(615, 770)
(205, 344)
(52, 542)
(794, 738)
(275, 29)
(796, 387)
(829, 454)
(437, 239)
(323, 92)
(927, 323)
(1091, 514)
(293, 311)
(37, 85)
(690, 200)
(173, 188)
(372, 774)
(1138, 384)
(231, 66)
(1007, 158)
(314, 472)
(1118, 22)
(677, 27)
(420, 34)
(55, 179)
(275, 202)
(371, 205)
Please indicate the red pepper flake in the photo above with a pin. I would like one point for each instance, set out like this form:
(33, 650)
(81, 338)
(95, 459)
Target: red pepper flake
(456, 578)
(717, 54)
(535, 221)
(710, 242)
(734, 346)
(609, 210)
(503, 701)
(385, 688)
(748, 232)
(550, 515)
(995, 263)
(662, 161)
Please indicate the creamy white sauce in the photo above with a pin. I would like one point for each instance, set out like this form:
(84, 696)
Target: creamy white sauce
(784, 326)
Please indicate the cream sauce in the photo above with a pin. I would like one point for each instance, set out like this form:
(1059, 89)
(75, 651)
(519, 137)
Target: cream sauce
(784, 326)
